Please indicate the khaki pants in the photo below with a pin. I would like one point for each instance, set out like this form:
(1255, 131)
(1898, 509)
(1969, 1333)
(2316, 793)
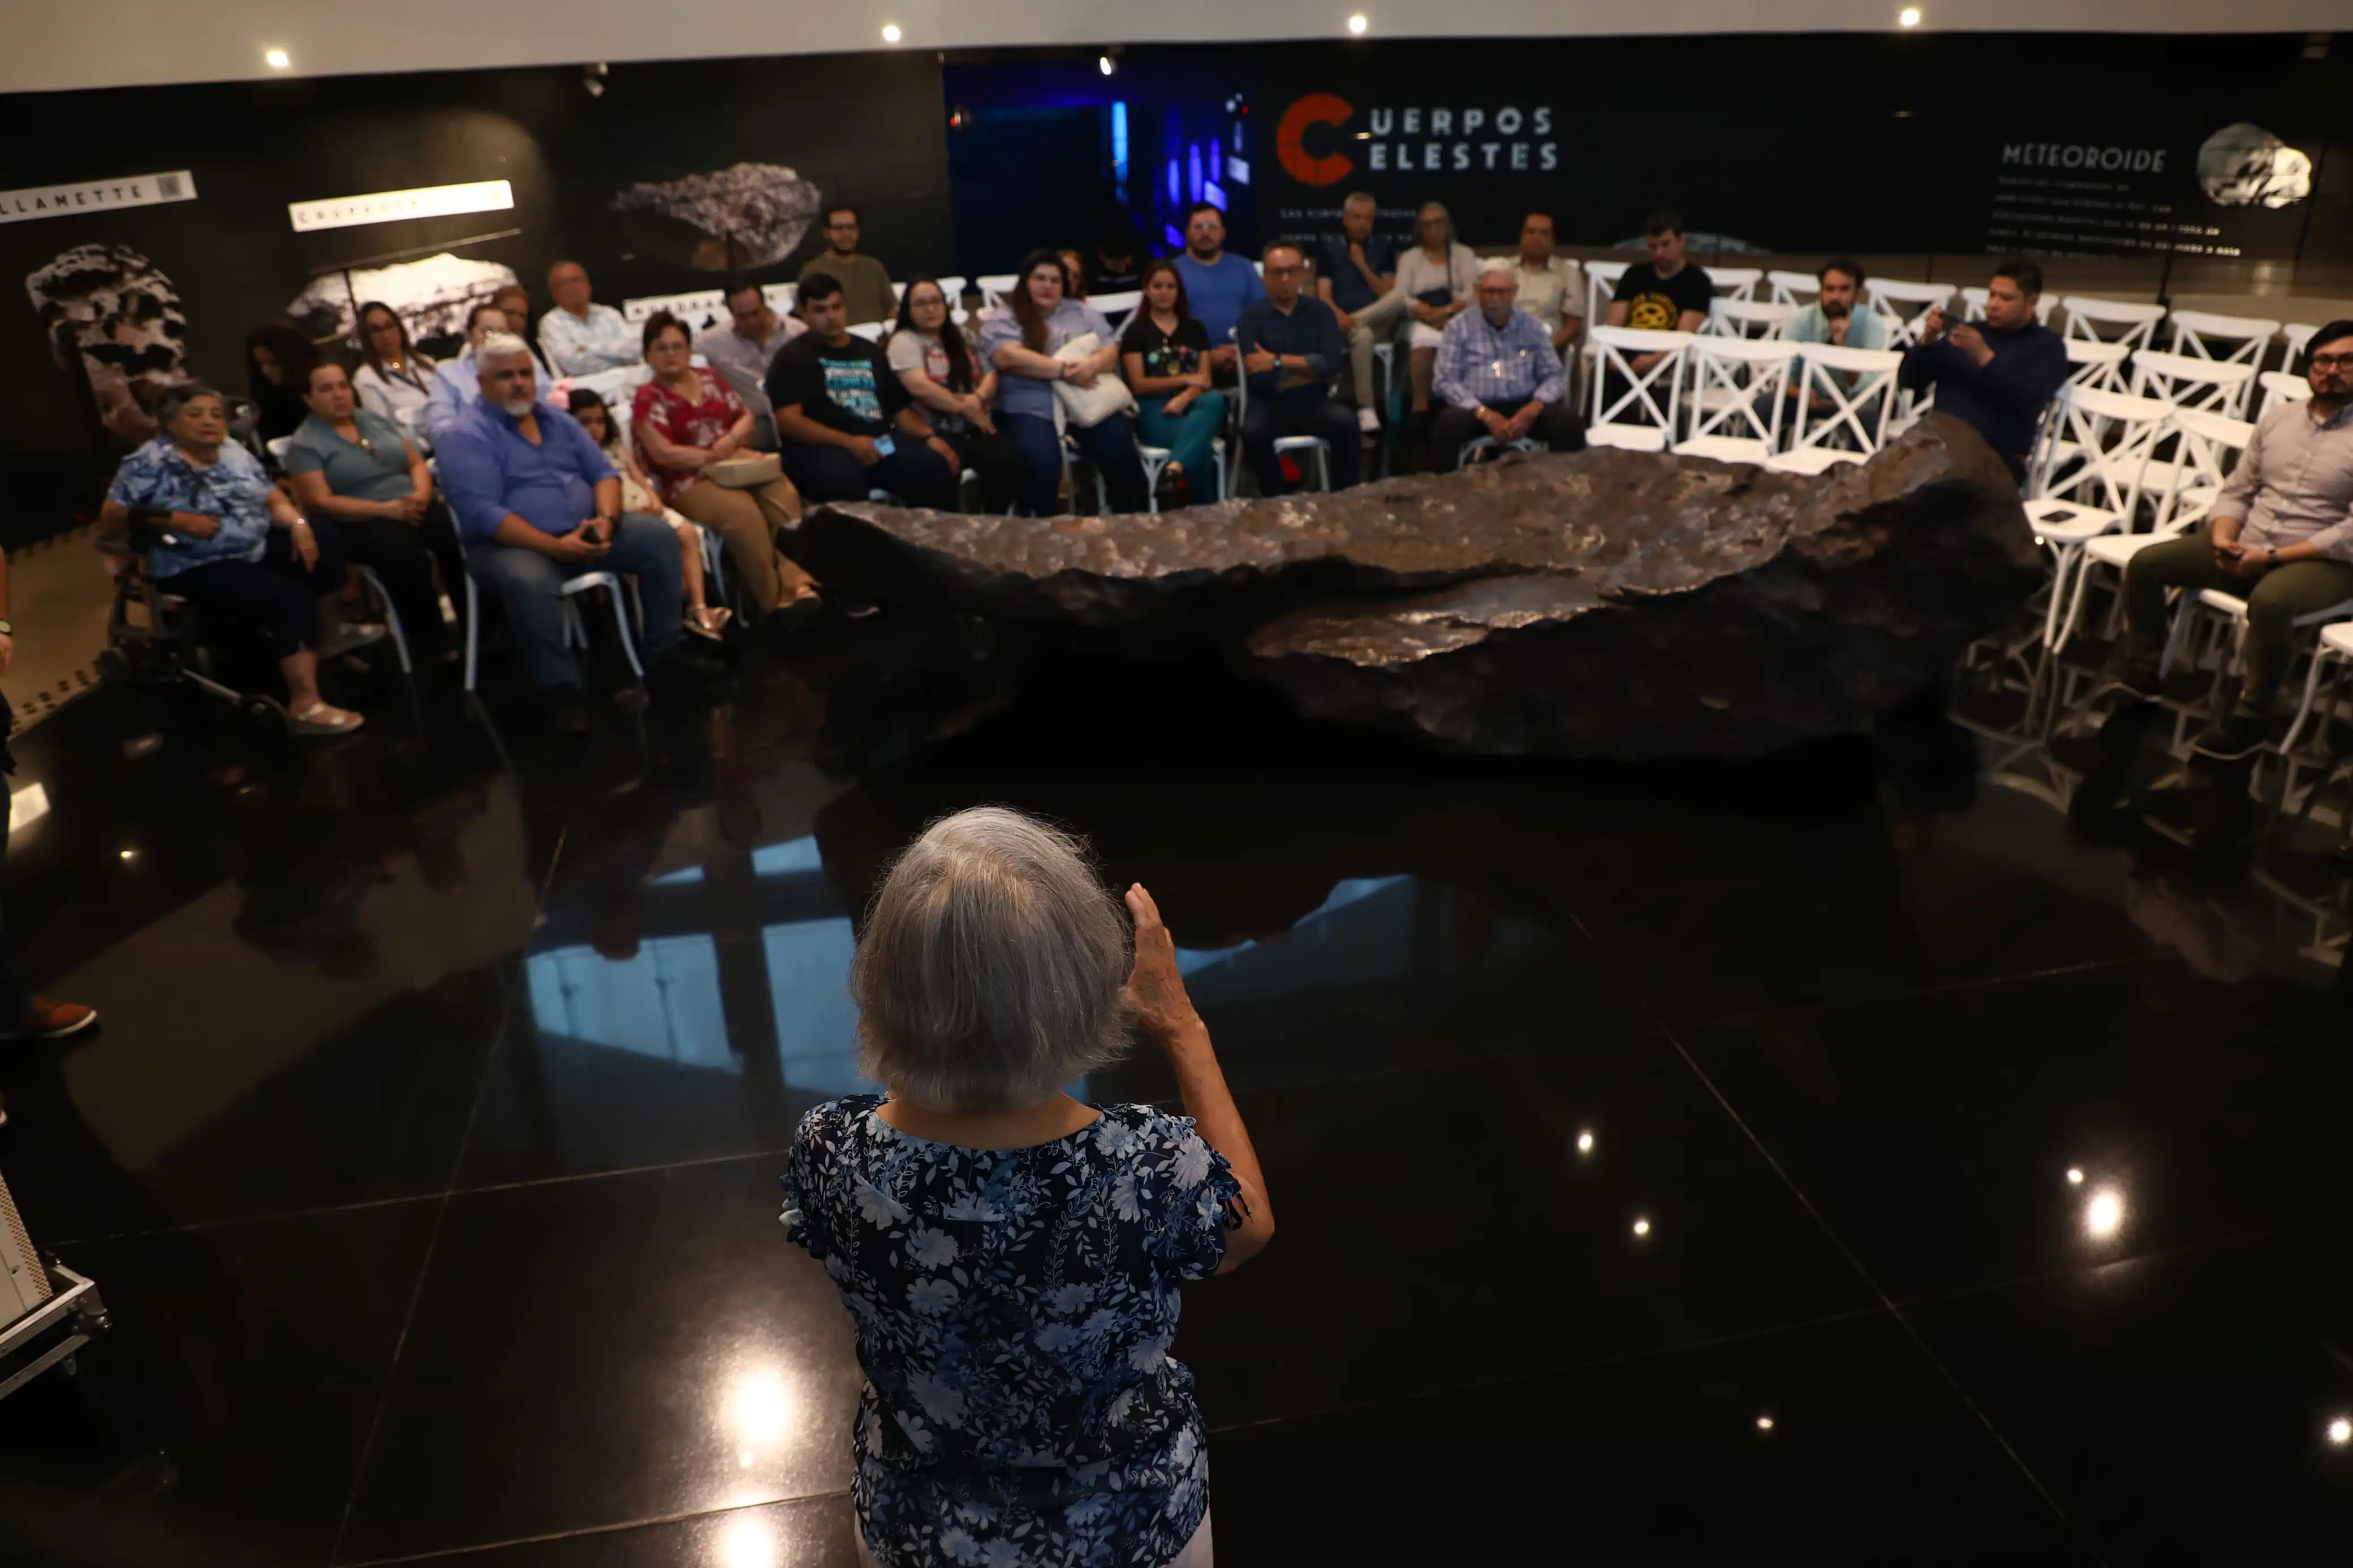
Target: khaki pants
(746, 522)
(1375, 323)
(2274, 600)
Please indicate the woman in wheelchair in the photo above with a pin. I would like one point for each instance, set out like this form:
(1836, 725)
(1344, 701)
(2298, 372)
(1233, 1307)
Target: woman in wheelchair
(233, 545)
(354, 466)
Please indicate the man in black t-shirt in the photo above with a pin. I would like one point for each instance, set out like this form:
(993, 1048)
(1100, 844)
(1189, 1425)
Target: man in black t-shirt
(844, 419)
(1664, 294)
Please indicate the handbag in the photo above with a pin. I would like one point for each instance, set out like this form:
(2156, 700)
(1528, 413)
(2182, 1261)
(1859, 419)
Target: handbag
(1086, 406)
(748, 472)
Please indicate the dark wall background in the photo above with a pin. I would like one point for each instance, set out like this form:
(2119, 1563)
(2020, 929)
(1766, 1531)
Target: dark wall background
(864, 128)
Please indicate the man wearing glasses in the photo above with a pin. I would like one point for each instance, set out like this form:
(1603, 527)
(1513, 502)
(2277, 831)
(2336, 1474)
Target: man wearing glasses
(1290, 348)
(865, 284)
(2279, 535)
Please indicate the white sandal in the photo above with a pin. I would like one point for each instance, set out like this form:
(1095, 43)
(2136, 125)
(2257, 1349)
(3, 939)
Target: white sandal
(322, 718)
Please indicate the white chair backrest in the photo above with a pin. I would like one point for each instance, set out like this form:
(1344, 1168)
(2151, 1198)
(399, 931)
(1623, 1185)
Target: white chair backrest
(2097, 363)
(994, 287)
(2200, 334)
(2120, 320)
(1903, 303)
(1613, 347)
(2108, 438)
(1736, 282)
(1600, 282)
(953, 289)
(2217, 386)
(2299, 338)
(872, 331)
(1792, 287)
(697, 309)
(781, 297)
(2208, 445)
(1746, 319)
(1746, 376)
(1119, 308)
(277, 446)
(2279, 386)
(1976, 300)
(1856, 413)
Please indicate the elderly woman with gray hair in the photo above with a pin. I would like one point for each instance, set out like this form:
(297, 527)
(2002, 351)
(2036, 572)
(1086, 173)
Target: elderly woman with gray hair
(1011, 1256)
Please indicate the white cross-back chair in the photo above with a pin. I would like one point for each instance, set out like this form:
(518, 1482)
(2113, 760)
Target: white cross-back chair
(2279, 386)
(2105, 439)
(1736, 395)
(1118, 308)
(994, 287)
(2113, 321)
(1736, 282)
(2217, 386)
(1855, 415)
(1796, 289)
(1904, 305)
(2206, 445)
(2099, 364)
(1601, 282)
(2298, 337)
(782, 297)
(1642, 415)
(1746, 319)
(1314, 447)
(2202, 335)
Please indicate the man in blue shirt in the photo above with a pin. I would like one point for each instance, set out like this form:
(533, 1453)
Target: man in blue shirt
(1216, 286)
(537, 505)
(1356, 276)
(1995, 378)
(1290, 349)
(1499, 375)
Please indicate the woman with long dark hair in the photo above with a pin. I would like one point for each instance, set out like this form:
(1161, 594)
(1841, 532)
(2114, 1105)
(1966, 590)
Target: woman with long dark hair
(393, 380)
(278, 360)
(1166, 356)
(1020, 343)
(940, 371)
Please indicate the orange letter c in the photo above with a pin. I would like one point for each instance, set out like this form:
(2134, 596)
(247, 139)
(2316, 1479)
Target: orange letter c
(1316, 109)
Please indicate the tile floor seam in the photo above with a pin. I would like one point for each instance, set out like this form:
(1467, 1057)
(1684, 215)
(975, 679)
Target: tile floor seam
(650, 1522)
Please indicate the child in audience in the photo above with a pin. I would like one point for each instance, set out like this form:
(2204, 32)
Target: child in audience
(637, 495)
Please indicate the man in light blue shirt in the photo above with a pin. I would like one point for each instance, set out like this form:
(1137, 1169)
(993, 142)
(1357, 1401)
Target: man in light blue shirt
(1218, 284)
(1837, 319)
(580, 337)
(456, 382)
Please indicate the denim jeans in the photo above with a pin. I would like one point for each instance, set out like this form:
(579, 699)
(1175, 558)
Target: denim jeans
(526, 583)
(1110, 446)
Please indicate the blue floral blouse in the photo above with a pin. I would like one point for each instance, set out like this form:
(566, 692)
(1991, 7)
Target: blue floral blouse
(234, 489)
(1014, 1310)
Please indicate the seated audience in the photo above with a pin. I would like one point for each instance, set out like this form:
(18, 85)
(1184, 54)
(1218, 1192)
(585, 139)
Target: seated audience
(1020, 343)
(992, 970)
(742, 347)
(277, 358)
(513, 301)
(538, 505)
(1165, 354)
(354, 466)
(393, 380)
(1074, 267)
(456, 382)
(1836, 319)
(1552, 287)
(1290, 349)
(2279, 536)
(942, 373)
(1354, 275)
(637, 495)
(1665, 293)
(1499, 374)
(1117, 264)
(684, 420)
(847, 422)
(580, 337)
(235, 545)
(1995, 378)
(1217, 284)
(865, 283)
(1434, 281)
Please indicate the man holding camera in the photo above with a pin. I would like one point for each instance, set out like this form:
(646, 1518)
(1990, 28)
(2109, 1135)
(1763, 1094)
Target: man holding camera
(1995, 376)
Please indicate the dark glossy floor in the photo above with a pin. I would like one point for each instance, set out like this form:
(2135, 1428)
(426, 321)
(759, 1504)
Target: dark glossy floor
(1676, 1165)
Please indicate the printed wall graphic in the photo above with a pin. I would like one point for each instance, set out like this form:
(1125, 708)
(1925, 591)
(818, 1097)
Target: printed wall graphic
(392, 207)
(113, 317)
(744, 215)
(431, 296)
(97, 195)
(2246, 165)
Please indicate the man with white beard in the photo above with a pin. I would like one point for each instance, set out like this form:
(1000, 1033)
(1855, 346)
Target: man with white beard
(538, 505)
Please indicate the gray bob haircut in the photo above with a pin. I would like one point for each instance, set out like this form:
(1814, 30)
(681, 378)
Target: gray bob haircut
(993, 966)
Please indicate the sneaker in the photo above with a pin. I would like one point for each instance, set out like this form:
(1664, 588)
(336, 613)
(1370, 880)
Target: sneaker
(567, 711)
(2233, 740)
(48, 1020)
(1369, 422)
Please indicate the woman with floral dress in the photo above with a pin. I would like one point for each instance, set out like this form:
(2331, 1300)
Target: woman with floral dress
(1011, 1256)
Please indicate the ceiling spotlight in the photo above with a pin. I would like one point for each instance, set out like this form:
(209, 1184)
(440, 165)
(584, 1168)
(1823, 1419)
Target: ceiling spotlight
(1763, 1424)
(2340, 1431)
(131, 854)
(2103, 1215)
(1584, 1142)
(1908, 17)
(1641, 1227)
(1357, 24)
(1103, 63)
(276, 59)
(890, 32)
(2074, 1175)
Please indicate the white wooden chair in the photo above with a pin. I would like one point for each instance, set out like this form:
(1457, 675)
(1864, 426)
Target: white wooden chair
(1653, 422)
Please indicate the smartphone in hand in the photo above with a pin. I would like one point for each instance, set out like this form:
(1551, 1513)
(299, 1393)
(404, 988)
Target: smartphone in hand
(885, 445)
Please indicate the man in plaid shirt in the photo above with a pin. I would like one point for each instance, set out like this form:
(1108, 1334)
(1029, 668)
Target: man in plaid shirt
(1499, 375)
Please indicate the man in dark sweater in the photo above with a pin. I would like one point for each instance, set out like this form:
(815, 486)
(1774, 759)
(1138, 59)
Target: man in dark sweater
(1996, 377)
(1290, 348)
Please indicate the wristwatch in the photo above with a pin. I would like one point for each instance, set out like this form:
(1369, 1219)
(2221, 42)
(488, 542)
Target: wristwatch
(7, 630)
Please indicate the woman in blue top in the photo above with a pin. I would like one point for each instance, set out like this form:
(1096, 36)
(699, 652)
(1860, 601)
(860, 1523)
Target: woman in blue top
(1011, 1256)
(232, 544)
(1018, 342)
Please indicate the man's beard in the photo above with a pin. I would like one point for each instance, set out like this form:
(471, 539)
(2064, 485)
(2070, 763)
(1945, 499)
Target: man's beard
(517, 406)
(1836, 311)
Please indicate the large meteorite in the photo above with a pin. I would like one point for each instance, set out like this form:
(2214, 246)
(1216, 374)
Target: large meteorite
(1606, 603)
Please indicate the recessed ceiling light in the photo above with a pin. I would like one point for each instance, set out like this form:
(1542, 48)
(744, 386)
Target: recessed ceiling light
(890, 32)
(1908, 17)
(2074, 1175)
(2103, 1215)
(1584, 1142)
(2340, 1431)
(1641, 1227)
(1763, 1424)
(276, 59)
(1103, 63)
(1356, 23)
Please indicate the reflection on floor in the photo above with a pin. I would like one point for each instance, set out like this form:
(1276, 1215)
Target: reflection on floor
(1860, 1156)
